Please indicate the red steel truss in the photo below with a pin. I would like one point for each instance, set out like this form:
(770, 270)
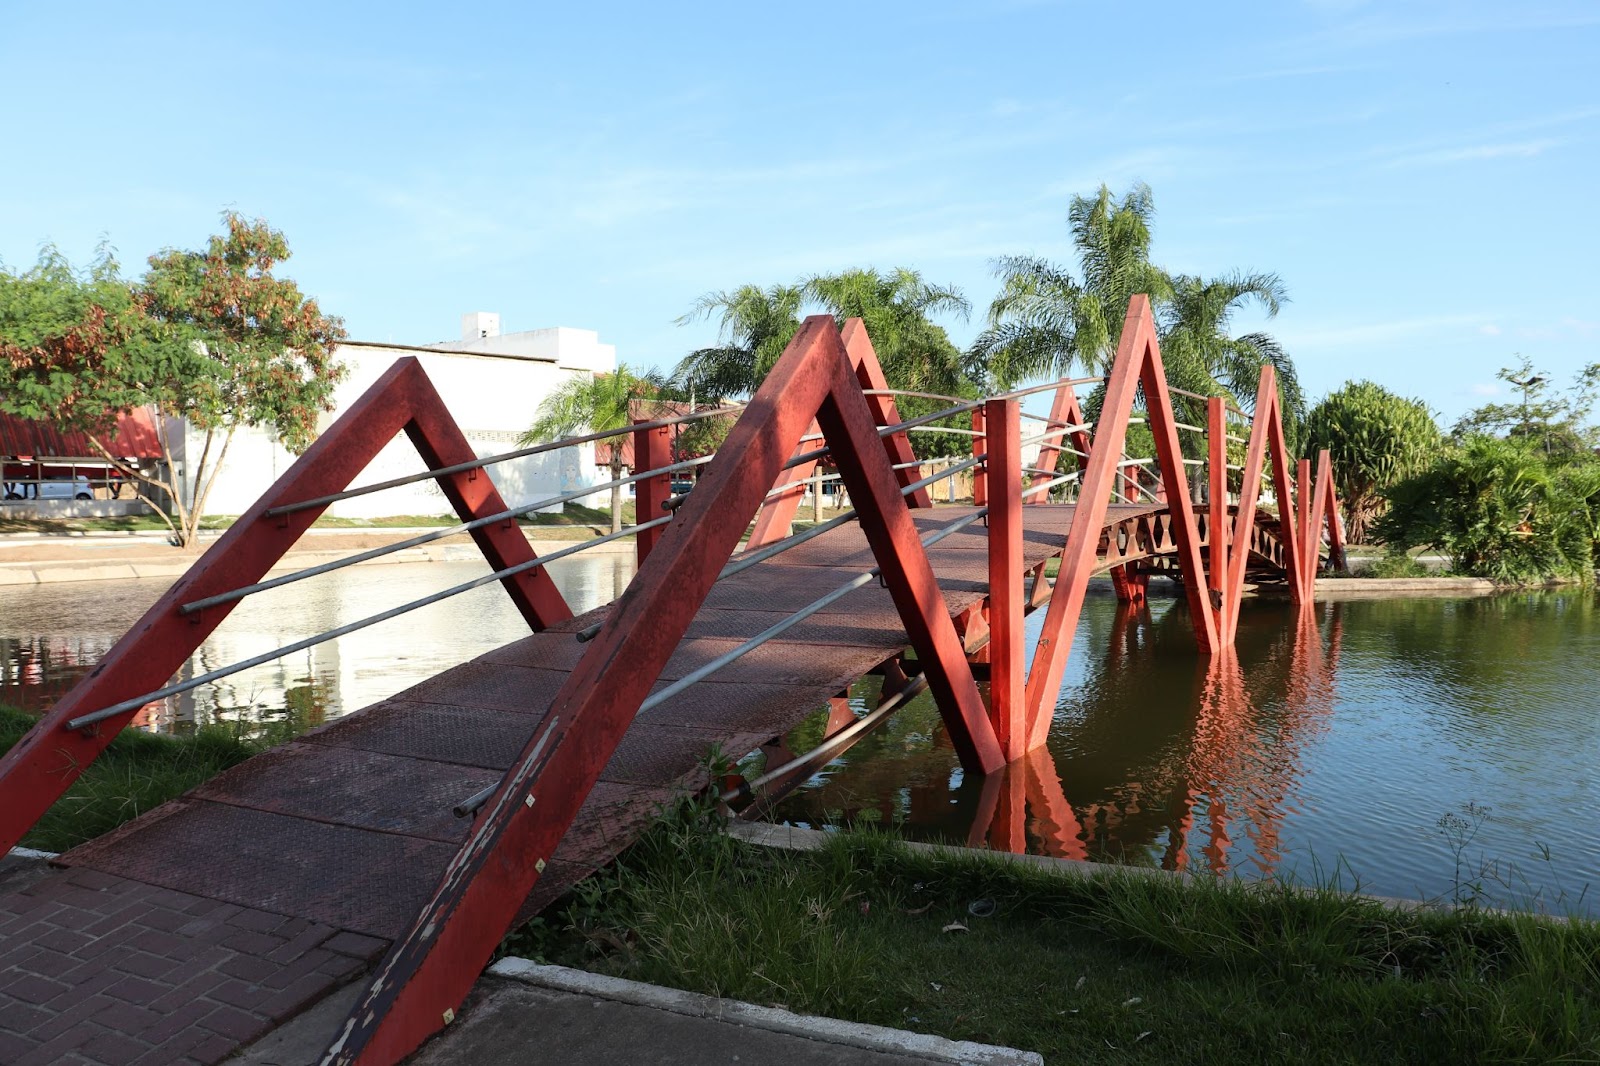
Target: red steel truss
(45, 763)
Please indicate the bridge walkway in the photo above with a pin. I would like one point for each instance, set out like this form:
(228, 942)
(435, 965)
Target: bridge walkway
(202, 924)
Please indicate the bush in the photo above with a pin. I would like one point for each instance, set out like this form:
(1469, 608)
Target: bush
(1500, 509)
(1374, 438)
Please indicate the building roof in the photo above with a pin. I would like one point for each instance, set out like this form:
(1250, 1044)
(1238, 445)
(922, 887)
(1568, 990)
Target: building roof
(135, 437)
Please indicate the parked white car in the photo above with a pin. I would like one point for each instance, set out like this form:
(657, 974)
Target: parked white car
(55, 488)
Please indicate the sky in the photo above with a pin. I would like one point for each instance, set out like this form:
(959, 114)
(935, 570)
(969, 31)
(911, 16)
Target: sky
(1423, 176)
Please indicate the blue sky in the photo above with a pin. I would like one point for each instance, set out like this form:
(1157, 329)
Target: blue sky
(1422, 175)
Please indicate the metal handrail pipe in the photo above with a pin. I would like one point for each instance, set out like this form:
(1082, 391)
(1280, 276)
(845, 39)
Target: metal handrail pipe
(424, 538)
(915, 395)
(1062, 383)
(84, 720)
(945, 429)
(1198, 396)
(477, 464)
(1056, 431)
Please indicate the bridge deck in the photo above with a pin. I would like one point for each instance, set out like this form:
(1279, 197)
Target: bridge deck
(204, 923)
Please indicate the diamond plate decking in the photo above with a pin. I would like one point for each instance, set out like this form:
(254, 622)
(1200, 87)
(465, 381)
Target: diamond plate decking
(196, 928)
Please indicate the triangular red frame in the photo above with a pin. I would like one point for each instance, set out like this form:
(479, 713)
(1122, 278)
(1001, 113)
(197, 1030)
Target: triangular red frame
(45, 763)
(519, 828)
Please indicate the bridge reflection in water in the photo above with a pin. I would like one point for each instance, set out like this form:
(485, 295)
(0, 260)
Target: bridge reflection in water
(1154, 759)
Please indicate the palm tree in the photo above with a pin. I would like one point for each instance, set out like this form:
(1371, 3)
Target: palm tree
(596, 403)
(1045, 321)
(1202, 357)
(756, 326)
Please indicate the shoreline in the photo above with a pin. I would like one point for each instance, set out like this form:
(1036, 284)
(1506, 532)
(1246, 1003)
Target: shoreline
(111, 557)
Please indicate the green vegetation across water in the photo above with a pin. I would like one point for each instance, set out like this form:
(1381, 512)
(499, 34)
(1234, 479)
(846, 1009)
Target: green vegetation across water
(1144, 969)
(137, 772)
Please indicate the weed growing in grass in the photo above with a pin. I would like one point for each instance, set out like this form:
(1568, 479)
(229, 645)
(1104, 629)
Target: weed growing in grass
(1152, 969)
(1482, 881)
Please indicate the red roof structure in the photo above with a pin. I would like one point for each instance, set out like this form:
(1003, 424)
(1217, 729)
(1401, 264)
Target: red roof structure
(135, 437)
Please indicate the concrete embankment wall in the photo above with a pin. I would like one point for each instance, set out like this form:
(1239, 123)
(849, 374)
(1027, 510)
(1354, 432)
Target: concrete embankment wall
(40, 561)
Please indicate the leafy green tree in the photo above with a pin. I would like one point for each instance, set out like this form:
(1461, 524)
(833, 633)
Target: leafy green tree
(595, 404)
(267, 348)
(1374, 439)
(212, 338)
(1556, 421)
(1500, 510)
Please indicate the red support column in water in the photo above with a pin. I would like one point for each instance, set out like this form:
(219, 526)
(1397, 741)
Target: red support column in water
(1217, 511)
(1003, 481)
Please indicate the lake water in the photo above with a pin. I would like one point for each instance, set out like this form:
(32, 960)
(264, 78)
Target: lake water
(1421, 748)
(52, 634)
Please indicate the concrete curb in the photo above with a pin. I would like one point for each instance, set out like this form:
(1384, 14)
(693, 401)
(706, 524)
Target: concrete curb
(771, 1019)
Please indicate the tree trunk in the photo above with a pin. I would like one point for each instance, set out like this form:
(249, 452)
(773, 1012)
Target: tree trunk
(204, 481)
(616, 490)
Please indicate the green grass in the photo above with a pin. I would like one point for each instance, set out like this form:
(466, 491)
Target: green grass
(1081, 969)
(136, 772)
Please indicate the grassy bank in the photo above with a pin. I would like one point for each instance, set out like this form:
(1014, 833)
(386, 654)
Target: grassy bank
(137, 772)
(1121, 967)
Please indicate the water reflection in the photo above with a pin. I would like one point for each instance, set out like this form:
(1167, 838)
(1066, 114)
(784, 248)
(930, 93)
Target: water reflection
(1328, 745)
(50, 635)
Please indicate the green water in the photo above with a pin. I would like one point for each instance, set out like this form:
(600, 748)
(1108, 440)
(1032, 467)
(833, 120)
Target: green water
(1421, 748)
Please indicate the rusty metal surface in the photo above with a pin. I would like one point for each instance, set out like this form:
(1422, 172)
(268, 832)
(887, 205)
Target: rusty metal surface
(776, 662)
(650, 754)
(470, 736)
(611, 818)
(504, 684)
(370, 883)
(837, 630)
(766, 709)
(351, 787)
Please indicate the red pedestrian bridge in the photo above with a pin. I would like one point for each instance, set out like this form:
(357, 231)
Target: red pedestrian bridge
(398, 845)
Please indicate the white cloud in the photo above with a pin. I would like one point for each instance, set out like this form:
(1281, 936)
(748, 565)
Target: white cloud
(1475, 152)
(1489, 329)
(1485, 388)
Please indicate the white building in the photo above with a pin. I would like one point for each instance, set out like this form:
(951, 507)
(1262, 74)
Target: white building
(492, 383)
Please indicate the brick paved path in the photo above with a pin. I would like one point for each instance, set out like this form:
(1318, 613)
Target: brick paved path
(197, 927)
